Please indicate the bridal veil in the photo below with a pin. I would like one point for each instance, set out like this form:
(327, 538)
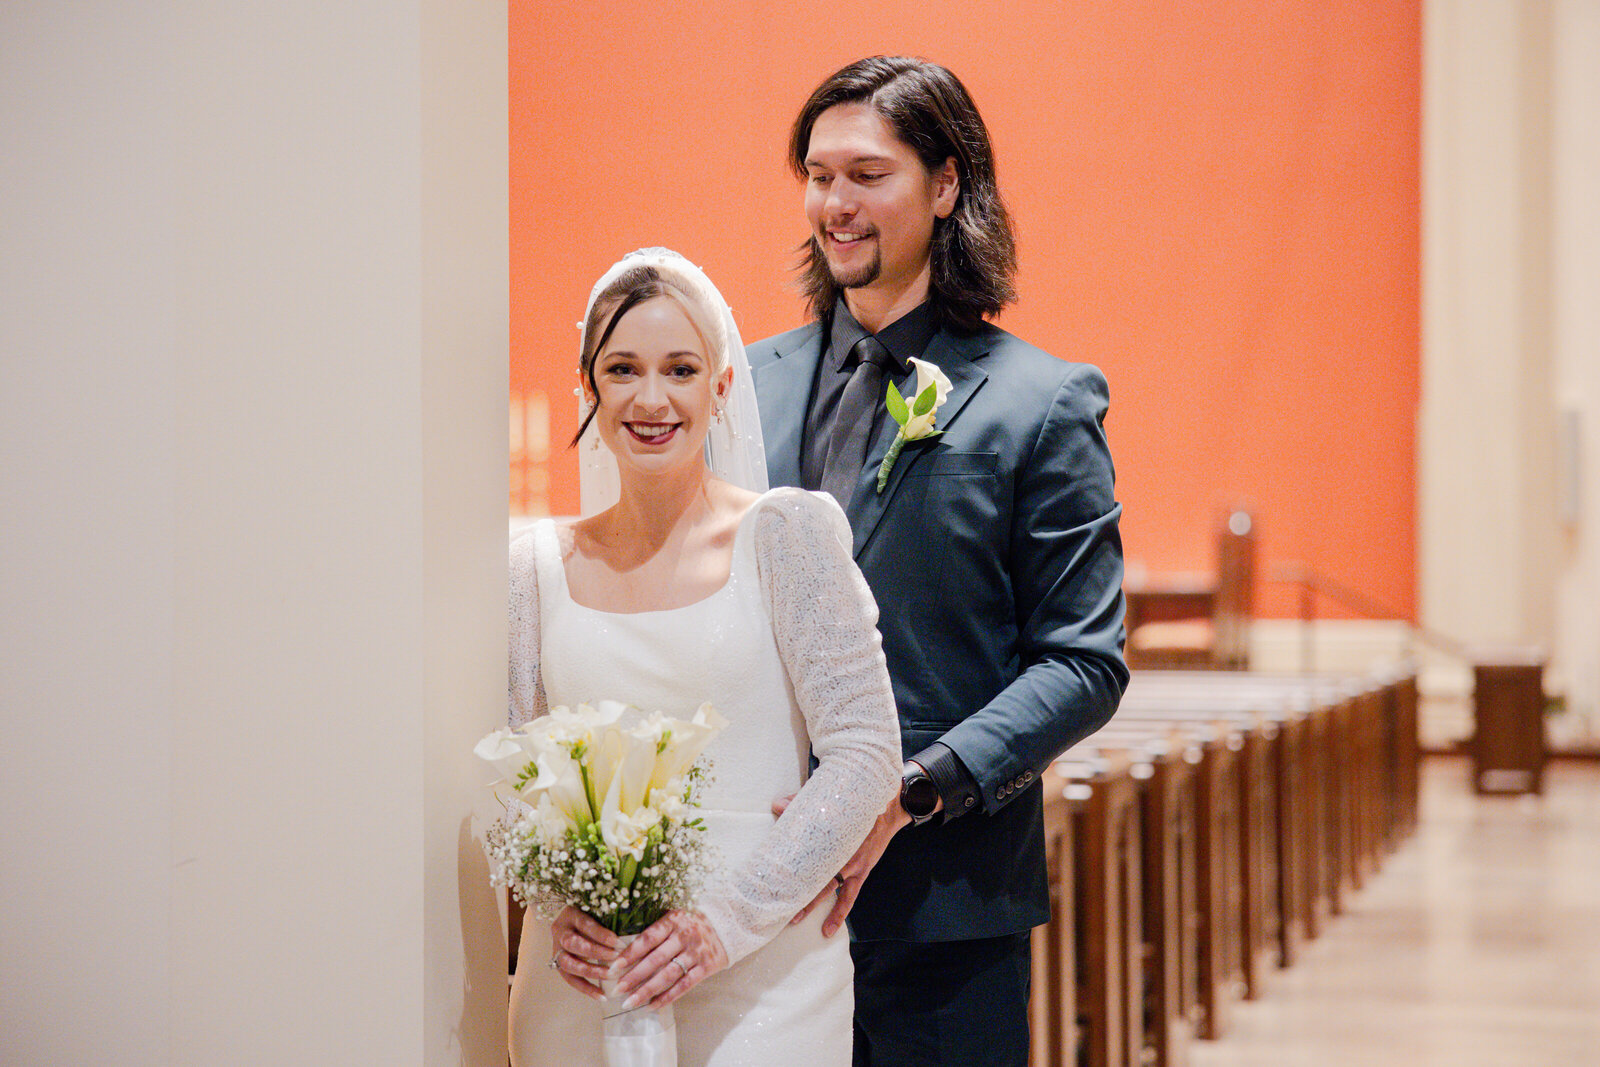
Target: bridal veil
(734, 450)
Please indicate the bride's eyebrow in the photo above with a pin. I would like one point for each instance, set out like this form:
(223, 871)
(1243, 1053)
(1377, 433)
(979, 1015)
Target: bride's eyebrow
(622, 353)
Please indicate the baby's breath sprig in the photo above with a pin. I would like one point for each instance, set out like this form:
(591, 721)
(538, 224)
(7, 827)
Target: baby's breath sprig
(624, 893)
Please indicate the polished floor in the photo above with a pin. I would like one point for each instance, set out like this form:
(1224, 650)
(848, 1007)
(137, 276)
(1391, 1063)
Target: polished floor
(1476, 945)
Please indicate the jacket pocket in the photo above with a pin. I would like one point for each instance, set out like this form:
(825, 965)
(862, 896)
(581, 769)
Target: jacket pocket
(955, 464)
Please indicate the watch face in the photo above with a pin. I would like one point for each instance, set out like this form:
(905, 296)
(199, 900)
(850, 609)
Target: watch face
(919, 796)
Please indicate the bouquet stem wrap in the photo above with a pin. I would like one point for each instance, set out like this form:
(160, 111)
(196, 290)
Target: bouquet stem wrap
(638, 1037)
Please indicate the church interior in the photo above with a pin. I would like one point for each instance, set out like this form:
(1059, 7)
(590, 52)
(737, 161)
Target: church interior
(273, 276)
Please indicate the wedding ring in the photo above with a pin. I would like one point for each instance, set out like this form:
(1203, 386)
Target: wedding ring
(681, 967)
(553, 959)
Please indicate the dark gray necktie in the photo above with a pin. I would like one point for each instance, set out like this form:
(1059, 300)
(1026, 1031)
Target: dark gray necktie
(854, 419)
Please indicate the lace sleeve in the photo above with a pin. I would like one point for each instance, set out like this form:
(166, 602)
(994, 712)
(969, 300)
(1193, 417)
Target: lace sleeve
(525, 682)
(825, 621)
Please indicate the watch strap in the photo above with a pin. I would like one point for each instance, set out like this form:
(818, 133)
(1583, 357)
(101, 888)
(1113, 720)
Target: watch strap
(957, 788)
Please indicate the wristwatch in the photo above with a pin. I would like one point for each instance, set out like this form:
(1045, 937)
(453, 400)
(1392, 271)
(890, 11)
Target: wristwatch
(919, 797)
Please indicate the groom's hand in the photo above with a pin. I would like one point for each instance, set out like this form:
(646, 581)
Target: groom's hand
(846, 886)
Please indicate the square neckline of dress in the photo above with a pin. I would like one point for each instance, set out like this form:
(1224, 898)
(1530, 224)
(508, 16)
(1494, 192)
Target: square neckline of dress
(553, 545)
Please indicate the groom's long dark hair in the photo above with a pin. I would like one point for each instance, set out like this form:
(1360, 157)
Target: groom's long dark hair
(974, 254)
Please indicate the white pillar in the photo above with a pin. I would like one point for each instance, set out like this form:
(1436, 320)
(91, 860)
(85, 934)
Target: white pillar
(1575, 201)
(1511, 263)
(254, 313)
(1484, 512)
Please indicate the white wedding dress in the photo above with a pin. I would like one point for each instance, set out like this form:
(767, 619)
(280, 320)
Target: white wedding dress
(788, 652)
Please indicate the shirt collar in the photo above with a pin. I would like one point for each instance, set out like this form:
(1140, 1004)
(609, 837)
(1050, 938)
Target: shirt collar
(905, 337)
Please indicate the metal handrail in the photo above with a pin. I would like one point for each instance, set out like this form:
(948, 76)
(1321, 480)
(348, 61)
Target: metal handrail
(1313, 583)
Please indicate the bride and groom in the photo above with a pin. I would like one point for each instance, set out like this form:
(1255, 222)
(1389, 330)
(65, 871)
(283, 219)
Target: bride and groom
(898, 656)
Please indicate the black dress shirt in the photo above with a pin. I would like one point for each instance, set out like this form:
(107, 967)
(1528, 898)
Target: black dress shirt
(905, 338)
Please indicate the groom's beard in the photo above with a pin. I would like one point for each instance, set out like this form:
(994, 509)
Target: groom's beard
(862, 276)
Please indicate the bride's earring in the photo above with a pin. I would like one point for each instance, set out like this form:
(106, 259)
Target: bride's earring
(587, 413)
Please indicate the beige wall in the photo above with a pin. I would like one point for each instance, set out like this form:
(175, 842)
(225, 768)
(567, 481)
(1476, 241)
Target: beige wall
(253, 303)
(1511, 263)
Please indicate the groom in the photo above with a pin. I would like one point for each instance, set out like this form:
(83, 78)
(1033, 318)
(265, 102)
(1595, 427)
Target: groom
(991, 547)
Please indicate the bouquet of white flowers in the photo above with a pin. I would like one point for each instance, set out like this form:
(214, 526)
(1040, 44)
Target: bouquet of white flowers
(600, 817)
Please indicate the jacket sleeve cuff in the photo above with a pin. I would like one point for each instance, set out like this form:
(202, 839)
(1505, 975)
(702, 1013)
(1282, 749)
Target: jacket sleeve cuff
(957, 788)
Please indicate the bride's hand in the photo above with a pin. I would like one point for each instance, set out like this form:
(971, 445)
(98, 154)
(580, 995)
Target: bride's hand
(673, 955)
(584, 950)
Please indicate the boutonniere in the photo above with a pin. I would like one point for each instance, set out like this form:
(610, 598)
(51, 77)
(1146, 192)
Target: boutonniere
(915, 419)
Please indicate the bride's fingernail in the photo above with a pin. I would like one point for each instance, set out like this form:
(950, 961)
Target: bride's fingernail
(631, 1003)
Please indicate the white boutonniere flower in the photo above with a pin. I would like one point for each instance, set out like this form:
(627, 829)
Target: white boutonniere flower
(916, 419)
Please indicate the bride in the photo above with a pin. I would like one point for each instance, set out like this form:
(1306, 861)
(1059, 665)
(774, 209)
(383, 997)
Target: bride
(685, 584)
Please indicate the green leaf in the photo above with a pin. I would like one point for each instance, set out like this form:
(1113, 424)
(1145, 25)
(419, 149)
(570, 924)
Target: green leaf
(897, 405)
(588, 792)
(925, 399)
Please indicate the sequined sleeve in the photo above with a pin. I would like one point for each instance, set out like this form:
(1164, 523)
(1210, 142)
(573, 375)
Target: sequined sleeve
(825, 622)
(525, 683)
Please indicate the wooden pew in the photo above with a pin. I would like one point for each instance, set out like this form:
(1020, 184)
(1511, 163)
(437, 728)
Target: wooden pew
(1164, 762)
(1291, 786)
(1310, 800)
(1053, 1001)
(1219, 875)
(1213, 826)
(1236, 824)
(1402, 690)
(1313, 791)
(1108, 976)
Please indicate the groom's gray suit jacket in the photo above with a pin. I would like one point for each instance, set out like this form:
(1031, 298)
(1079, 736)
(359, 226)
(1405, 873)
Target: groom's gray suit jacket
(995, 559)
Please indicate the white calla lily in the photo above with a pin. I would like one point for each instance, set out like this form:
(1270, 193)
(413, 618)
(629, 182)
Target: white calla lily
(603, 756)
(573, 726)
(505, 750)
(914, 425)
(637, 766)
(560, 780)
(683, 742)
(605, 713)
(929, 374)
(625, 828)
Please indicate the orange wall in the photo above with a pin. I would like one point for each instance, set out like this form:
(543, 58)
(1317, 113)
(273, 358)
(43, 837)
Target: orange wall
(1217, 203)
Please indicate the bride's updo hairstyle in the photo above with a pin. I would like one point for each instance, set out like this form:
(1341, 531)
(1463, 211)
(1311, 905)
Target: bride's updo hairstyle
(632, 287)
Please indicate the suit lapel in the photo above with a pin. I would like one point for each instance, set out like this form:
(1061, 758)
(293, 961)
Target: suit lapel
(783, 389)
(958, 357)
